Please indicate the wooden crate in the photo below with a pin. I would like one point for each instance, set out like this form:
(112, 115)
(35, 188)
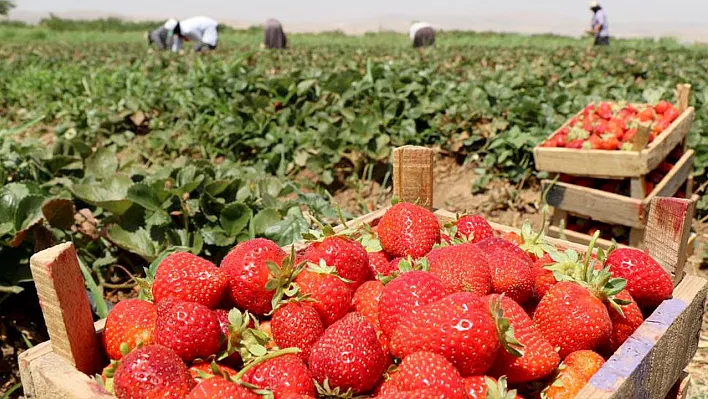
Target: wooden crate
(649, 364)
(614, 208)
(603, 163)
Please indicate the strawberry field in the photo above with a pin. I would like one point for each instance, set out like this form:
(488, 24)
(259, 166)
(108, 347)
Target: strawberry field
(128, 153)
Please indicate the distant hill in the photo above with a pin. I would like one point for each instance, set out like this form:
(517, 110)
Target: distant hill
(517, 22)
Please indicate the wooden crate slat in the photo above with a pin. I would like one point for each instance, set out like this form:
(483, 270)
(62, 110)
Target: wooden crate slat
(677, 177)
(413, 175)
(667, 236)
(581, 239)
(650, 362)
(660, 148)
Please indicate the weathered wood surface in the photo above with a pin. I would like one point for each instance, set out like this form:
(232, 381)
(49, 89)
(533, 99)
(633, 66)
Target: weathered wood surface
(67, 312)
(413, 175)
(615, 208)
(602, 163)
(581, 239)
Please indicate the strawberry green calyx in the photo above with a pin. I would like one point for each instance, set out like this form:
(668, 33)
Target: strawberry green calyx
(406, 265)
(499, 389)
(325, 391)
(283, 278)
(262, 358)
(504, 330)
(578, 133)
(369, 239)
(248, 342)
(535, 243)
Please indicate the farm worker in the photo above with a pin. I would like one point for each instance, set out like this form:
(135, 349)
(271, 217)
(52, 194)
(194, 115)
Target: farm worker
(422, 34)
(159, 37)
(204, 31)
(274, 35)
(599, 27)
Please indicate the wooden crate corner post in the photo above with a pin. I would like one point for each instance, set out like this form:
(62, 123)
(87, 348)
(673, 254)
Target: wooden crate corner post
(413, 175)
(66, 309)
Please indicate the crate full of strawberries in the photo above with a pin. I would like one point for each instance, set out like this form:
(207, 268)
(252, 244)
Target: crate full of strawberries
(410, 305)
(616, 139)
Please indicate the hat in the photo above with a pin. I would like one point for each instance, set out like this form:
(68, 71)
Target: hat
(594, 4)
(171, 24)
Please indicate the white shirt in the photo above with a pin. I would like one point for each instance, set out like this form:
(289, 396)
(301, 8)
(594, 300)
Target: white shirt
(418, 26)
(600, 19)
(198, 30)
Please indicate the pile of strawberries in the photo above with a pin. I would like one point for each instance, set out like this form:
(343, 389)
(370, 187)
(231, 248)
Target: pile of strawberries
(401, 308)
(612, 126)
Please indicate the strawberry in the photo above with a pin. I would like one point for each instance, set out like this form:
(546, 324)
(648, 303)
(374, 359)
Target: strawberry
(265, 327)
(152, 372)
(671, 115)
(190, 329)
(647, 282)
(623, 325)
(604, 110)
(543, 277)
(592, 143)
(366, 301)
(476, 386)
(539, 359)
(348, 355)
(458, 327)
(662, 107)
(188, 277)
(297, 325)
(219, 388)
(461, 268)
(347, 256)
(510, 267)
(282, 374)
(130, 322)
(474, 228)
(331, 296)
(575, 144)
(204, 370)
(426, 370)
(247, 268)
(416, 394)
(609, 142)
(380, 263)
(646, 115)
(570, 317)
(405, 295)
(408, 230)
(513, 238)
(576, 371)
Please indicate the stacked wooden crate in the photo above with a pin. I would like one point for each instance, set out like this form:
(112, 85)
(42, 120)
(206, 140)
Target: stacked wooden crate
(626, 167)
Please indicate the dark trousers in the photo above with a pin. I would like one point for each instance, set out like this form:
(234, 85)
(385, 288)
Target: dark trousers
(602, 40)
(424, 37)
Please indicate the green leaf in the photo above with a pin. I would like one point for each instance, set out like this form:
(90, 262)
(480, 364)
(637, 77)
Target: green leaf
(138, 242)
(216, 236)
(59, 212)
(96, 291)
(110, 194)
(290, 229)
(305, 85)
(263, 219)
(29, 212)
(101, 164)
(146, 196)
(234, 218)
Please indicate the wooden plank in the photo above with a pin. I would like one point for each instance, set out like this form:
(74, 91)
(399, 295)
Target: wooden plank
(66, 309)
(667, 232)
(683, 94)
(53, 378)
(583, 240)
(650, 362)
(638, 187)
(641, 139)
(676, 178)
(413, 175)
(681, 388)
(596, 204)
(660, 148)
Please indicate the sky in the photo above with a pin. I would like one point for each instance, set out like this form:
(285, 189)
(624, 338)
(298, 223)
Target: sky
(621, 13)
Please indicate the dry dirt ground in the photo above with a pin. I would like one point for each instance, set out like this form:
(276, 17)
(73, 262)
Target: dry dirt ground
(506, 204)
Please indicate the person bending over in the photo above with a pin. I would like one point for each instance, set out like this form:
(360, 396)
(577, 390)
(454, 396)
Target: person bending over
(203, 31)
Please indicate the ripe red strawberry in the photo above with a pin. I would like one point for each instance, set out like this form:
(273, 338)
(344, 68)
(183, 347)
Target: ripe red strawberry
(131, 321)
(204, 370)
(609, 142)
(297, 325)
(476, 386)
(662, 106)
(380, 263)
(405, 295)
(647, 282)
(349, 356)
(292, 395)
(461, 268)
(474, 228)
(459, 327)
(347, 256)
(408, 230)
(671, 115)
(543, 277)
(331, 296)
(623, 325)
(570, 317)
(282, 374)
(247, 268)
(219, 388)
(513, 238)
(576, 371)
(539, 359)
(510, 267)
(417, 394)
(152, 372)
(426, 370)
(190, 329)
(646, 115)
(188, 277)
(604, 110)
(366, 301)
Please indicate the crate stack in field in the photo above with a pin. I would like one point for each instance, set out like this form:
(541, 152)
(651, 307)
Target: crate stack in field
(611, 191)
